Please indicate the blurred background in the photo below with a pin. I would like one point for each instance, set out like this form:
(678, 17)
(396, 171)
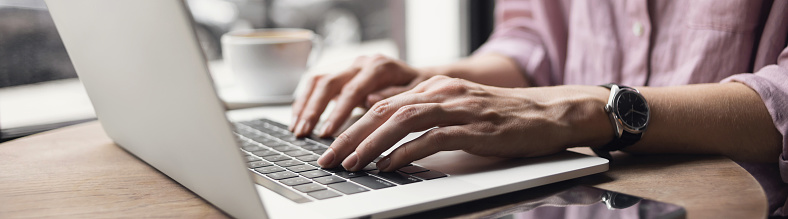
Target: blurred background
(39, 88)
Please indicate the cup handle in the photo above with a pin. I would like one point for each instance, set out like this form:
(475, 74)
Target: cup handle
(317, 50)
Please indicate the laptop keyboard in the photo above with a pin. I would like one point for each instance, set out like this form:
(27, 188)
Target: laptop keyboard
(275, 153)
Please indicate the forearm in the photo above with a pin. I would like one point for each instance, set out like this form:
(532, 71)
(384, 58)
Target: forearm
(728, 119)
(490, 69)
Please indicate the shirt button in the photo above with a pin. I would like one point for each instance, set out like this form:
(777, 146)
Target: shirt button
(637, 28)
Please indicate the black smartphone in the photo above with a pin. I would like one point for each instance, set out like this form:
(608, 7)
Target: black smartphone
(590, 202)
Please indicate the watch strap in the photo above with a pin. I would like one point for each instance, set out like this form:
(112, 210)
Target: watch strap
(625, 140)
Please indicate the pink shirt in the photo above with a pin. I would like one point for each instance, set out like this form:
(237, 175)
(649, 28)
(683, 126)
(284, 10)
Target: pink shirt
(656, 43)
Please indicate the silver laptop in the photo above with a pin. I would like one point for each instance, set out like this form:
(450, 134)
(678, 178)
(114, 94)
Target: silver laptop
(143, 69)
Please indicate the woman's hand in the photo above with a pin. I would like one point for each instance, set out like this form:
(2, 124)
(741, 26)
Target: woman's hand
(368, 80)
(478, 119)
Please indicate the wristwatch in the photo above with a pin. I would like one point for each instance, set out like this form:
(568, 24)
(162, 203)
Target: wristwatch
(629, 113)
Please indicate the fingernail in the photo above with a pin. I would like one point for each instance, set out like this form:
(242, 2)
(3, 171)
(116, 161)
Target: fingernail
(304, 129)
(327, 158)
(384, 163)
(326, 128)
(307, 128)
(293, 121)
(298, 127)
(350, 162)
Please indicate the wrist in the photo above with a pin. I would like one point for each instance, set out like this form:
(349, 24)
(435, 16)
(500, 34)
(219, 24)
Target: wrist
(589, 124)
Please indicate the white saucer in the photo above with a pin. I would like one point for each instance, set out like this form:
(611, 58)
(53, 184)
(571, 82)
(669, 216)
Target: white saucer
(235, 98)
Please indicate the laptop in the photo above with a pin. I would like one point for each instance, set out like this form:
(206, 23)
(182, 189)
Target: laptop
(149, 83)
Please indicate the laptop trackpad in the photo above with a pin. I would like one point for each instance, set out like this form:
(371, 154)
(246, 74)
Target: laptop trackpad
(492, 171)
(461, 162)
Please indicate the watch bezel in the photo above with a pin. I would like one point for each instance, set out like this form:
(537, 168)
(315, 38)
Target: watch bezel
(628, 127)
(612, 106)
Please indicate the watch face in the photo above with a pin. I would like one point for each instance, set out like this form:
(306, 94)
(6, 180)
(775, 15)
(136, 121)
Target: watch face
(632, 109)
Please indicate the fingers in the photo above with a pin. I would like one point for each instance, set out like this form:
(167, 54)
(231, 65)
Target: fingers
(389, 92)
(325, 89)
(447, 138)
(383, 94)
(298, 105)
(431, 82)
(379, 73)
(407, 119)
(347, 142)
(321, 89)
(351, 95)
(366, 75)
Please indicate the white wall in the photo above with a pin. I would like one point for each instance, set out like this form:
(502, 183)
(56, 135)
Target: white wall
(433, 32)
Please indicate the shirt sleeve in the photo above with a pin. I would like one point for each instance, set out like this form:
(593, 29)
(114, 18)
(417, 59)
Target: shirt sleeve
(526, 40)
(771, 83)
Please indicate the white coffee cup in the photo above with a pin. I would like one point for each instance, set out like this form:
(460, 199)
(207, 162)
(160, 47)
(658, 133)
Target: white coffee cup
(269, 62)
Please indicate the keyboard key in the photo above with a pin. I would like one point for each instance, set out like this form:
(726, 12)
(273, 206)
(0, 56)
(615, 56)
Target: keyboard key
(256, 164)
(250, 158)
(313, 163)
(276, 158)
(372, 182)
(308, 158)
(324, 141)
(314, 174)
(300, 142)
(324, 194)
(265, 153)
(320, 151)
(282, 134)
(263, 139)
(275, 133)
(245, 142)
(252, 134)
(335, 169)
(252, 123)
(347, 188)
(291, 139)
(255, 124)
(290, 162)
(273, 124)
(413, 169)
(432, 174)
(396, 177)
(313, 147)
(301, 168)
(245, 132)
(282, 175)
(285, 148)
(348, 175)
(260, 126)
(295, 181)
(266, 140)
(251, 148)
(328, 180)
(309, 187)
(268, 169)
(272, 144)
(297, 153)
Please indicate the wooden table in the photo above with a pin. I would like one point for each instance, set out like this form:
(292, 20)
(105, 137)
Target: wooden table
(79, 172)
